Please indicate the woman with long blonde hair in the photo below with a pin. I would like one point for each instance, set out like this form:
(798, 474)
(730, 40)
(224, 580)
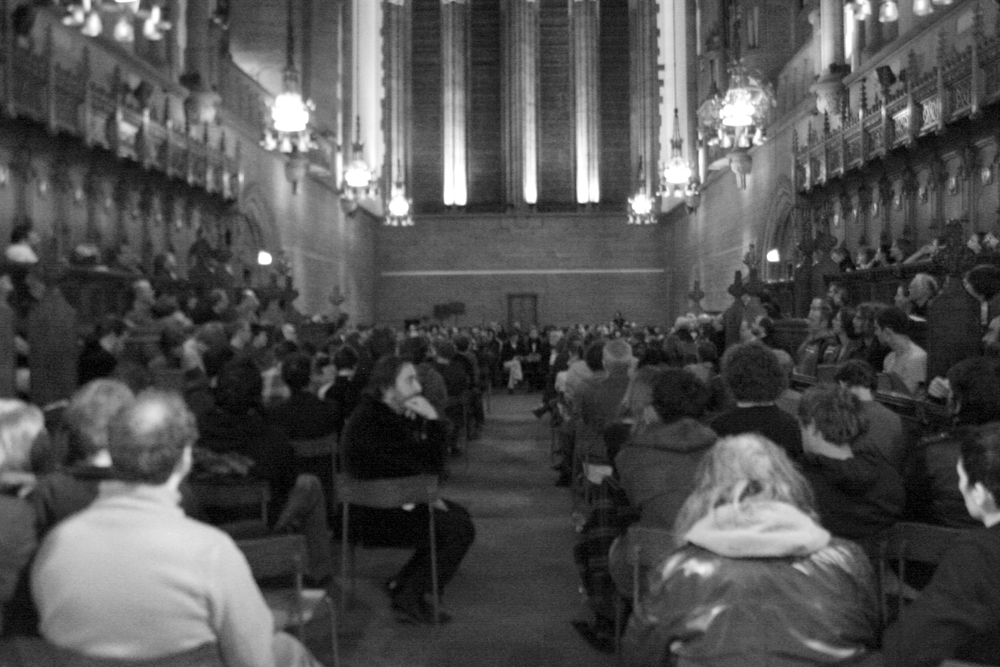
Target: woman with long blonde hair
(756, 579)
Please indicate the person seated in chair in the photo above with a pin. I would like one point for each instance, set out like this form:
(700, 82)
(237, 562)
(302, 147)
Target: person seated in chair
(396, 432)
(906, 360)
(302, 416)
(132, 578)
(859, 495)
(957, 615)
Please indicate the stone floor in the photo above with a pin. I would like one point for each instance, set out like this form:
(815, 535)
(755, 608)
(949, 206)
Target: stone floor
(517, 590)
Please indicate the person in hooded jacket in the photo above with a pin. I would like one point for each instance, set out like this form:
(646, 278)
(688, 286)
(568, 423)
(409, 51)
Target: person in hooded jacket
(657, 466)
(756, 579)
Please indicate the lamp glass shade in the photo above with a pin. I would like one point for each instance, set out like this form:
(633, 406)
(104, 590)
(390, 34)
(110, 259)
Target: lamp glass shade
(943, 2)
(357, 174)
(677, 172)
(641, 204)
(399, 206)
(888, 12)
(124, 30)
(773, 256)
(862, 9)
(922, 7)
(264, 258)
(92, 25)
(289, 112)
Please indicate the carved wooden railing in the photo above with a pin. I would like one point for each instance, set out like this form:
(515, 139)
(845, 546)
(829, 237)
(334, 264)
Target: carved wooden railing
(959, 85)
(80, 101)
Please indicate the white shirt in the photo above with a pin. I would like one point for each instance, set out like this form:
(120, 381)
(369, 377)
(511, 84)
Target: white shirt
(910, 366)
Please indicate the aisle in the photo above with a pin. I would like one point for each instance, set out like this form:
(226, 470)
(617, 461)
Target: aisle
(517, 590)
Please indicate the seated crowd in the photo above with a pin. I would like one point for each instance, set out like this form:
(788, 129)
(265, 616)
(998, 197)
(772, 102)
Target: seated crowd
(775, 502)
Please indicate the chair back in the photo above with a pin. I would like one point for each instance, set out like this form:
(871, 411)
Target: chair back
(387, 492)
(275, 555)
(826, 372)
(169, 379)
(316, 447)
(229, 497)
(36, 652)
(909, 542)
(650, 547)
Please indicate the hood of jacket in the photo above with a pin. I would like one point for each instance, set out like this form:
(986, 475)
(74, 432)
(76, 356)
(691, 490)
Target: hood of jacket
(683, 435)
(765, 529)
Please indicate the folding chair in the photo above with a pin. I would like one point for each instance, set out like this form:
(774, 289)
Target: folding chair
(387, 493)
(283, 556)
(453, 407)
(649, 547)
(909, 542)
(319, 456)
(239, 506)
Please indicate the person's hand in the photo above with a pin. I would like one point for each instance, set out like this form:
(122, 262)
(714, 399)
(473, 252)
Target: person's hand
(419, 406)
(939, 388)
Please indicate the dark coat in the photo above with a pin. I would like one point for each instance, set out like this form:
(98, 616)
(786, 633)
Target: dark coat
(378, 443)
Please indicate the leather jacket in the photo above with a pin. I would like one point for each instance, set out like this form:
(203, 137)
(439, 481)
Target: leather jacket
(760, 585)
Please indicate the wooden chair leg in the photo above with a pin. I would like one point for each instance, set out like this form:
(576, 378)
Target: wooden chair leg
(434, 568)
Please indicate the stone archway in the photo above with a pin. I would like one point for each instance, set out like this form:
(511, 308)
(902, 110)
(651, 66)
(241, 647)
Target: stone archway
(779, 230)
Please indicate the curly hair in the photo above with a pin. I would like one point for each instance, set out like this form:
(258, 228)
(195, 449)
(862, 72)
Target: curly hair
(738, 469)
(835, 412)
(752, 373)
(677, 393)
(89, 411)
(20, 425)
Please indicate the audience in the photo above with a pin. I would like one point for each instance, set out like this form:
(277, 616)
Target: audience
(21, 424)
(131, 578)
(973, 398)
(598, 403)
(906, 361)
(754, 377)
(923, 289)
(859, 495)
(396, 432)
(957, 614)
(756, 579)
(884, 435)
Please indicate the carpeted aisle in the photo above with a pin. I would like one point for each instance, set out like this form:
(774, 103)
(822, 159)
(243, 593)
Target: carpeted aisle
(518, 589)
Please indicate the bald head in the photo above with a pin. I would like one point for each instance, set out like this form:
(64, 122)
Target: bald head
(147, 438)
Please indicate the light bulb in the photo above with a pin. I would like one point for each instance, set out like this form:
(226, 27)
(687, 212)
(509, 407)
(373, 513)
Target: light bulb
(124, 30)
(773, 256)
(92, 25)
(264, 258)
(862, 9)
(289, 112)
(357, 174)
(922, 7)
(888, 12)
(641, 204)
(677, 171)
(943, 2)
(399, 206)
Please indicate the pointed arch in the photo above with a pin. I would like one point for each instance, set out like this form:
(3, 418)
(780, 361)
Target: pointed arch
(779, 226)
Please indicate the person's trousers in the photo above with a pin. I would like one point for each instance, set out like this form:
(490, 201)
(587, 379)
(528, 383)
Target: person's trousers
(305, 513)
(400, 528)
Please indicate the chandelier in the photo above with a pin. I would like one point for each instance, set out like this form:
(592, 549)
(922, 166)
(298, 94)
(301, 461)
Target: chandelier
(400, 207)
(289, 132)
(888, 10)
(677, 174)
(90, 17)
(736, 120)
(640, 205)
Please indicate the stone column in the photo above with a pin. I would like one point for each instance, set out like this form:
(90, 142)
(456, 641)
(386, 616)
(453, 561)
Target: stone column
(644, 89)
(398, 100)
(455, 66)
(584, 24)
(519, 75)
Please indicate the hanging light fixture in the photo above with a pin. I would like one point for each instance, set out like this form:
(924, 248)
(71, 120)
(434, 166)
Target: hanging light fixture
(677, 173)
(888, 11)
(289, 132)
(90, 15)
(922, 7)
(400, 207)
(735, 121)
(862, 9)
(640, 205)
(357, 175)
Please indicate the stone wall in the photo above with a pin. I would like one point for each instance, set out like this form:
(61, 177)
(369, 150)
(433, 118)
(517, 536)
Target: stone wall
(582, 267)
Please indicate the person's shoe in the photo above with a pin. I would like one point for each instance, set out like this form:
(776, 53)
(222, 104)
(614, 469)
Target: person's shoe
(413, 610)
(600, 641)
(540, 411)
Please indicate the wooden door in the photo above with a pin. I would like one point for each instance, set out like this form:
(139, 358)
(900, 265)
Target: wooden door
(522, 309)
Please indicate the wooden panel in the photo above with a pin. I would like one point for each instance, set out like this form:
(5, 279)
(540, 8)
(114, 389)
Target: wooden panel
(428, 154)
(485, 166)
(556, 183)
(617, 172)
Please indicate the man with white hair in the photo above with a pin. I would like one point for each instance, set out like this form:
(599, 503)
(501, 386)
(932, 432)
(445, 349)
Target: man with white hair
(132, 578)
